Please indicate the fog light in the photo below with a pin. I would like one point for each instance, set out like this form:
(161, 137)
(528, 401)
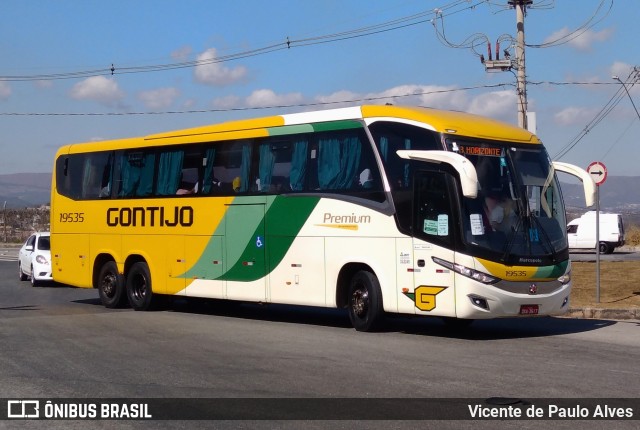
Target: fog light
(479, 302)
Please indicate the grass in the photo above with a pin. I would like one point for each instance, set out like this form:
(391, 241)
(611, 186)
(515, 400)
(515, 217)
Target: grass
(632, 235)
(619, 284)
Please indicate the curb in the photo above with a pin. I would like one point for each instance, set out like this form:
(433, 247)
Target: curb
(605, 314)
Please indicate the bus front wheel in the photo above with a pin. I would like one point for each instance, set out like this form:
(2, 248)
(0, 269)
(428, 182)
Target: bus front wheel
(365, 301)
(139, 291)
(111, 286)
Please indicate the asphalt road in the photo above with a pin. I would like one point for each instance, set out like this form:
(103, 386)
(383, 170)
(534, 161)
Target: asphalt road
(60, 342)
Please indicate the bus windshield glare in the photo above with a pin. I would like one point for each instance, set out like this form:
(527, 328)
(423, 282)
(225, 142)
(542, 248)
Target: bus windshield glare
(518, 213)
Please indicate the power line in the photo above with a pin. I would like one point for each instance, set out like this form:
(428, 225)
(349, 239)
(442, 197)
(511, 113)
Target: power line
(392, 25)
(251, 108)
(602, 114)
(301, 105)
(578, 31)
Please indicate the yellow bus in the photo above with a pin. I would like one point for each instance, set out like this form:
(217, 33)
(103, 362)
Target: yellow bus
(376, 209)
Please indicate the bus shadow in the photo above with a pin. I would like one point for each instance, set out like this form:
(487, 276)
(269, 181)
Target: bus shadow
(306, 315)
(504, 328)
(480, 330)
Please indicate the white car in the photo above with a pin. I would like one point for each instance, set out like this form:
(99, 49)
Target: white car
(34, 259)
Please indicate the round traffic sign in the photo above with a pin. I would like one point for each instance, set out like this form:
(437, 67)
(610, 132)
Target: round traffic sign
(598, 172)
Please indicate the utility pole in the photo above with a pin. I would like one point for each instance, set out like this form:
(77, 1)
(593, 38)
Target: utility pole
(498, 65)
(4, 220)
(635, 70)
(521, 82)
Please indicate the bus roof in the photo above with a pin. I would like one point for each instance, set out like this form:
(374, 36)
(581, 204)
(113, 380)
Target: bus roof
(451, 122)
(439, 120)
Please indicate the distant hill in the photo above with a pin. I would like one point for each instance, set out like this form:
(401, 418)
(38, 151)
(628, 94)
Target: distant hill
(21, 190)
(619, 194)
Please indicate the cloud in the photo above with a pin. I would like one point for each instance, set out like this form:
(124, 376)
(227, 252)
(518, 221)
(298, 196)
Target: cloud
(574, 115)
(160, 98)
(212, 73)
(264, 98)
(620, 69)
(584, 41)
(5, 91)
(98, 89)
(182, 53)
(494, 104)
(259, 99)
(227, 102)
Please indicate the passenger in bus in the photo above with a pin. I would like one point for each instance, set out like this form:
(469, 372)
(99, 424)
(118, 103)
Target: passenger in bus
(499, 212)
(187, 190)
(236, 184)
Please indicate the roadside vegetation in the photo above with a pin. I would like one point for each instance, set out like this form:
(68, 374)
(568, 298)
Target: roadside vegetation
(632, 235)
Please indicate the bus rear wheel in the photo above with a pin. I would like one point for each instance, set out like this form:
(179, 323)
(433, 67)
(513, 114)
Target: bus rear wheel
(365, 301)
(111, 286)
(139, 291)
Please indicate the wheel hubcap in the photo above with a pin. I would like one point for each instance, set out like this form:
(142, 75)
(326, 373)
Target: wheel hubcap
(139, 287)
(109, 285)
(359, 302)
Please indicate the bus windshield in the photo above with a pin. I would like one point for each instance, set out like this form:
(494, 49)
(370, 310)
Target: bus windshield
(518, 216)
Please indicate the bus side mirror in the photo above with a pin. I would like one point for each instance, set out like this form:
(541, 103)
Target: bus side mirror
(466, 170)
(586, 179)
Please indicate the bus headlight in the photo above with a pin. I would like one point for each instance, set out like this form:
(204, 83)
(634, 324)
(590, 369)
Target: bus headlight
(466, 271)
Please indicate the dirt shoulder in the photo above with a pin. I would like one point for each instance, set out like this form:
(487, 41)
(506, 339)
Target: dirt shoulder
(619, 284)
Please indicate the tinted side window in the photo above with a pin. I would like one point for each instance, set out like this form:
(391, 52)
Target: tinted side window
(84, 176)
(390, 137)
(433, 216)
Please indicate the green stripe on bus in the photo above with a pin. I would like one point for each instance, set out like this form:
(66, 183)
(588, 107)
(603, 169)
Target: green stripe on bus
(284, 219)
(336, 125)
(316, 127)
(289, 129)
(253, 253)
(552, 271)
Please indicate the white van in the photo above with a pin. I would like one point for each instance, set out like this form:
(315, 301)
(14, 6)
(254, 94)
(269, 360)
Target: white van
(582, 232)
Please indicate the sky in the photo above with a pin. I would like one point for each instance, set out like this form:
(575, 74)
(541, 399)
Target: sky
(187, 63)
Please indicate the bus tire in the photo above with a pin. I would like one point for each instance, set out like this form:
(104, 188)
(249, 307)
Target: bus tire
(365, 301)
(111, 286)
(139, 290)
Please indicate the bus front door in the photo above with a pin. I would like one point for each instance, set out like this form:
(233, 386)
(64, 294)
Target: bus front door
(245, 266)
(433, 242)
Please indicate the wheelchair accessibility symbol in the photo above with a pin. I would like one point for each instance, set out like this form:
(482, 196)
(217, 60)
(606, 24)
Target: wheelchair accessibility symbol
(259, 242)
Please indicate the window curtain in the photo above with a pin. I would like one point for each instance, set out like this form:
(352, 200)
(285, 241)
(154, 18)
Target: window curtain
(244, 168)
(384, 148)
(338, 162)
(328, 163)
(407, 173)
(87, 178)
(265, 168)
(169, 172)
(298, 165)
(210, 155)
(351, 152)
(137, 175)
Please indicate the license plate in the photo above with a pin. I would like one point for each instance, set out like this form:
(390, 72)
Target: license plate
(529, 310)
